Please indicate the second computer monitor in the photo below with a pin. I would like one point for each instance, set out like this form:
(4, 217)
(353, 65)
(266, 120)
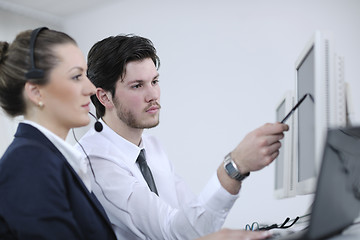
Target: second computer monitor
(317, 74)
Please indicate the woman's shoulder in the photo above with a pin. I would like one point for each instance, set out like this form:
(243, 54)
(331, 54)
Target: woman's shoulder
(30, 153)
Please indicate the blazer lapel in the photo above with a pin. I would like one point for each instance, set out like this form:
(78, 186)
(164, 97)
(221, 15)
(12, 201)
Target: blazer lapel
(32, 133)
(92, 198)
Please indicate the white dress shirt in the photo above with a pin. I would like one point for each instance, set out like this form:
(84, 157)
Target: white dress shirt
(71, 154)
(135, 211)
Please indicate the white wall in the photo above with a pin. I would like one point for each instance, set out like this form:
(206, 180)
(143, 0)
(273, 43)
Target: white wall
(225, 65)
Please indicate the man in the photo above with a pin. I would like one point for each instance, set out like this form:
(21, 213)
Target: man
(127, 101)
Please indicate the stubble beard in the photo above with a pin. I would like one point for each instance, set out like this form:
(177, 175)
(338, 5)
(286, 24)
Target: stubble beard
(130, 120)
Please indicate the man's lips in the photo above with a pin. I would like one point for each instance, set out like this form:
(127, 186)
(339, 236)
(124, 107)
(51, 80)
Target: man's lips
(153, 108)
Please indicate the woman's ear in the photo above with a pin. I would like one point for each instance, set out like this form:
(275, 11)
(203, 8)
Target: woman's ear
(104, 97)
(32, 92)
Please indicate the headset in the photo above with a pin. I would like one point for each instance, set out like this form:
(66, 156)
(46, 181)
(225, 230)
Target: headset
(34, 73)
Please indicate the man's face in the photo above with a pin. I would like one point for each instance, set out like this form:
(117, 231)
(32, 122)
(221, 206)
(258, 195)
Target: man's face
(137, 95)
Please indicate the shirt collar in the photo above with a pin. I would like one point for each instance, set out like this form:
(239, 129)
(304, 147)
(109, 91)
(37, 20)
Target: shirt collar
(131, 150)
(71, 154)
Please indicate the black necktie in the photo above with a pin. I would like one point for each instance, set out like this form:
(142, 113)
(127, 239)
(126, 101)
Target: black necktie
(145, 170)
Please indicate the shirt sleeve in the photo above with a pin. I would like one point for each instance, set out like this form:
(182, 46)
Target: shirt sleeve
(131, 207)
(206, 212)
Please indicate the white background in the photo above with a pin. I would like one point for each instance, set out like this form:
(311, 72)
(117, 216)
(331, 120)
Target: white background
(225, 65)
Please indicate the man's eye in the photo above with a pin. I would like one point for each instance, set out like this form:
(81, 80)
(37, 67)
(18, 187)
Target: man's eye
(136, 86)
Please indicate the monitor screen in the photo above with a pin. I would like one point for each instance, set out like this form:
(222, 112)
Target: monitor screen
(306, 118)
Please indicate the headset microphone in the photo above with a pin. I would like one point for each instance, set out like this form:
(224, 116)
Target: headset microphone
(98, 125)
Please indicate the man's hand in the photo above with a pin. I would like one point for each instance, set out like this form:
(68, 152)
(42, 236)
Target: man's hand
(259, 148)
(228, 234)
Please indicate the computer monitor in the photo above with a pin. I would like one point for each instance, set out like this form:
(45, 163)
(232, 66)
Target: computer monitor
(319, 73)
(284, 185)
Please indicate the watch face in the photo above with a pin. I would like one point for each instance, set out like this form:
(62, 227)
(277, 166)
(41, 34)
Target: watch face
(233, 172)
(229, 168)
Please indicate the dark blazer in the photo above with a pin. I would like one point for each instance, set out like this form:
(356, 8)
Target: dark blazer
(42, 197)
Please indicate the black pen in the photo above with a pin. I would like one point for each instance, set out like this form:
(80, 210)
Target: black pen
(294, 108)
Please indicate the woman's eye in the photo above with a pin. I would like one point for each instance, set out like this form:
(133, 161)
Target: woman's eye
(77, 77)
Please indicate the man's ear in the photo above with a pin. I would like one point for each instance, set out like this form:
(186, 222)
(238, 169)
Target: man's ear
(104, 97)
(33, 93)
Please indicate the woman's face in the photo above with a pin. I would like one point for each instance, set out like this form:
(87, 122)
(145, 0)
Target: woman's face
(66, 96)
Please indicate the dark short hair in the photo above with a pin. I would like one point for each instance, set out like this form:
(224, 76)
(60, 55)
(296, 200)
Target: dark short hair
(107, 61)
(15, 62)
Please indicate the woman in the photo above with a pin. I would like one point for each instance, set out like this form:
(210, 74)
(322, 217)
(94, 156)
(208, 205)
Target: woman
(44, 192)
(44, 189)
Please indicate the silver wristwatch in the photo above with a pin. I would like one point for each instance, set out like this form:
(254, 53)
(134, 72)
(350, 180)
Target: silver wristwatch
(232, 170)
